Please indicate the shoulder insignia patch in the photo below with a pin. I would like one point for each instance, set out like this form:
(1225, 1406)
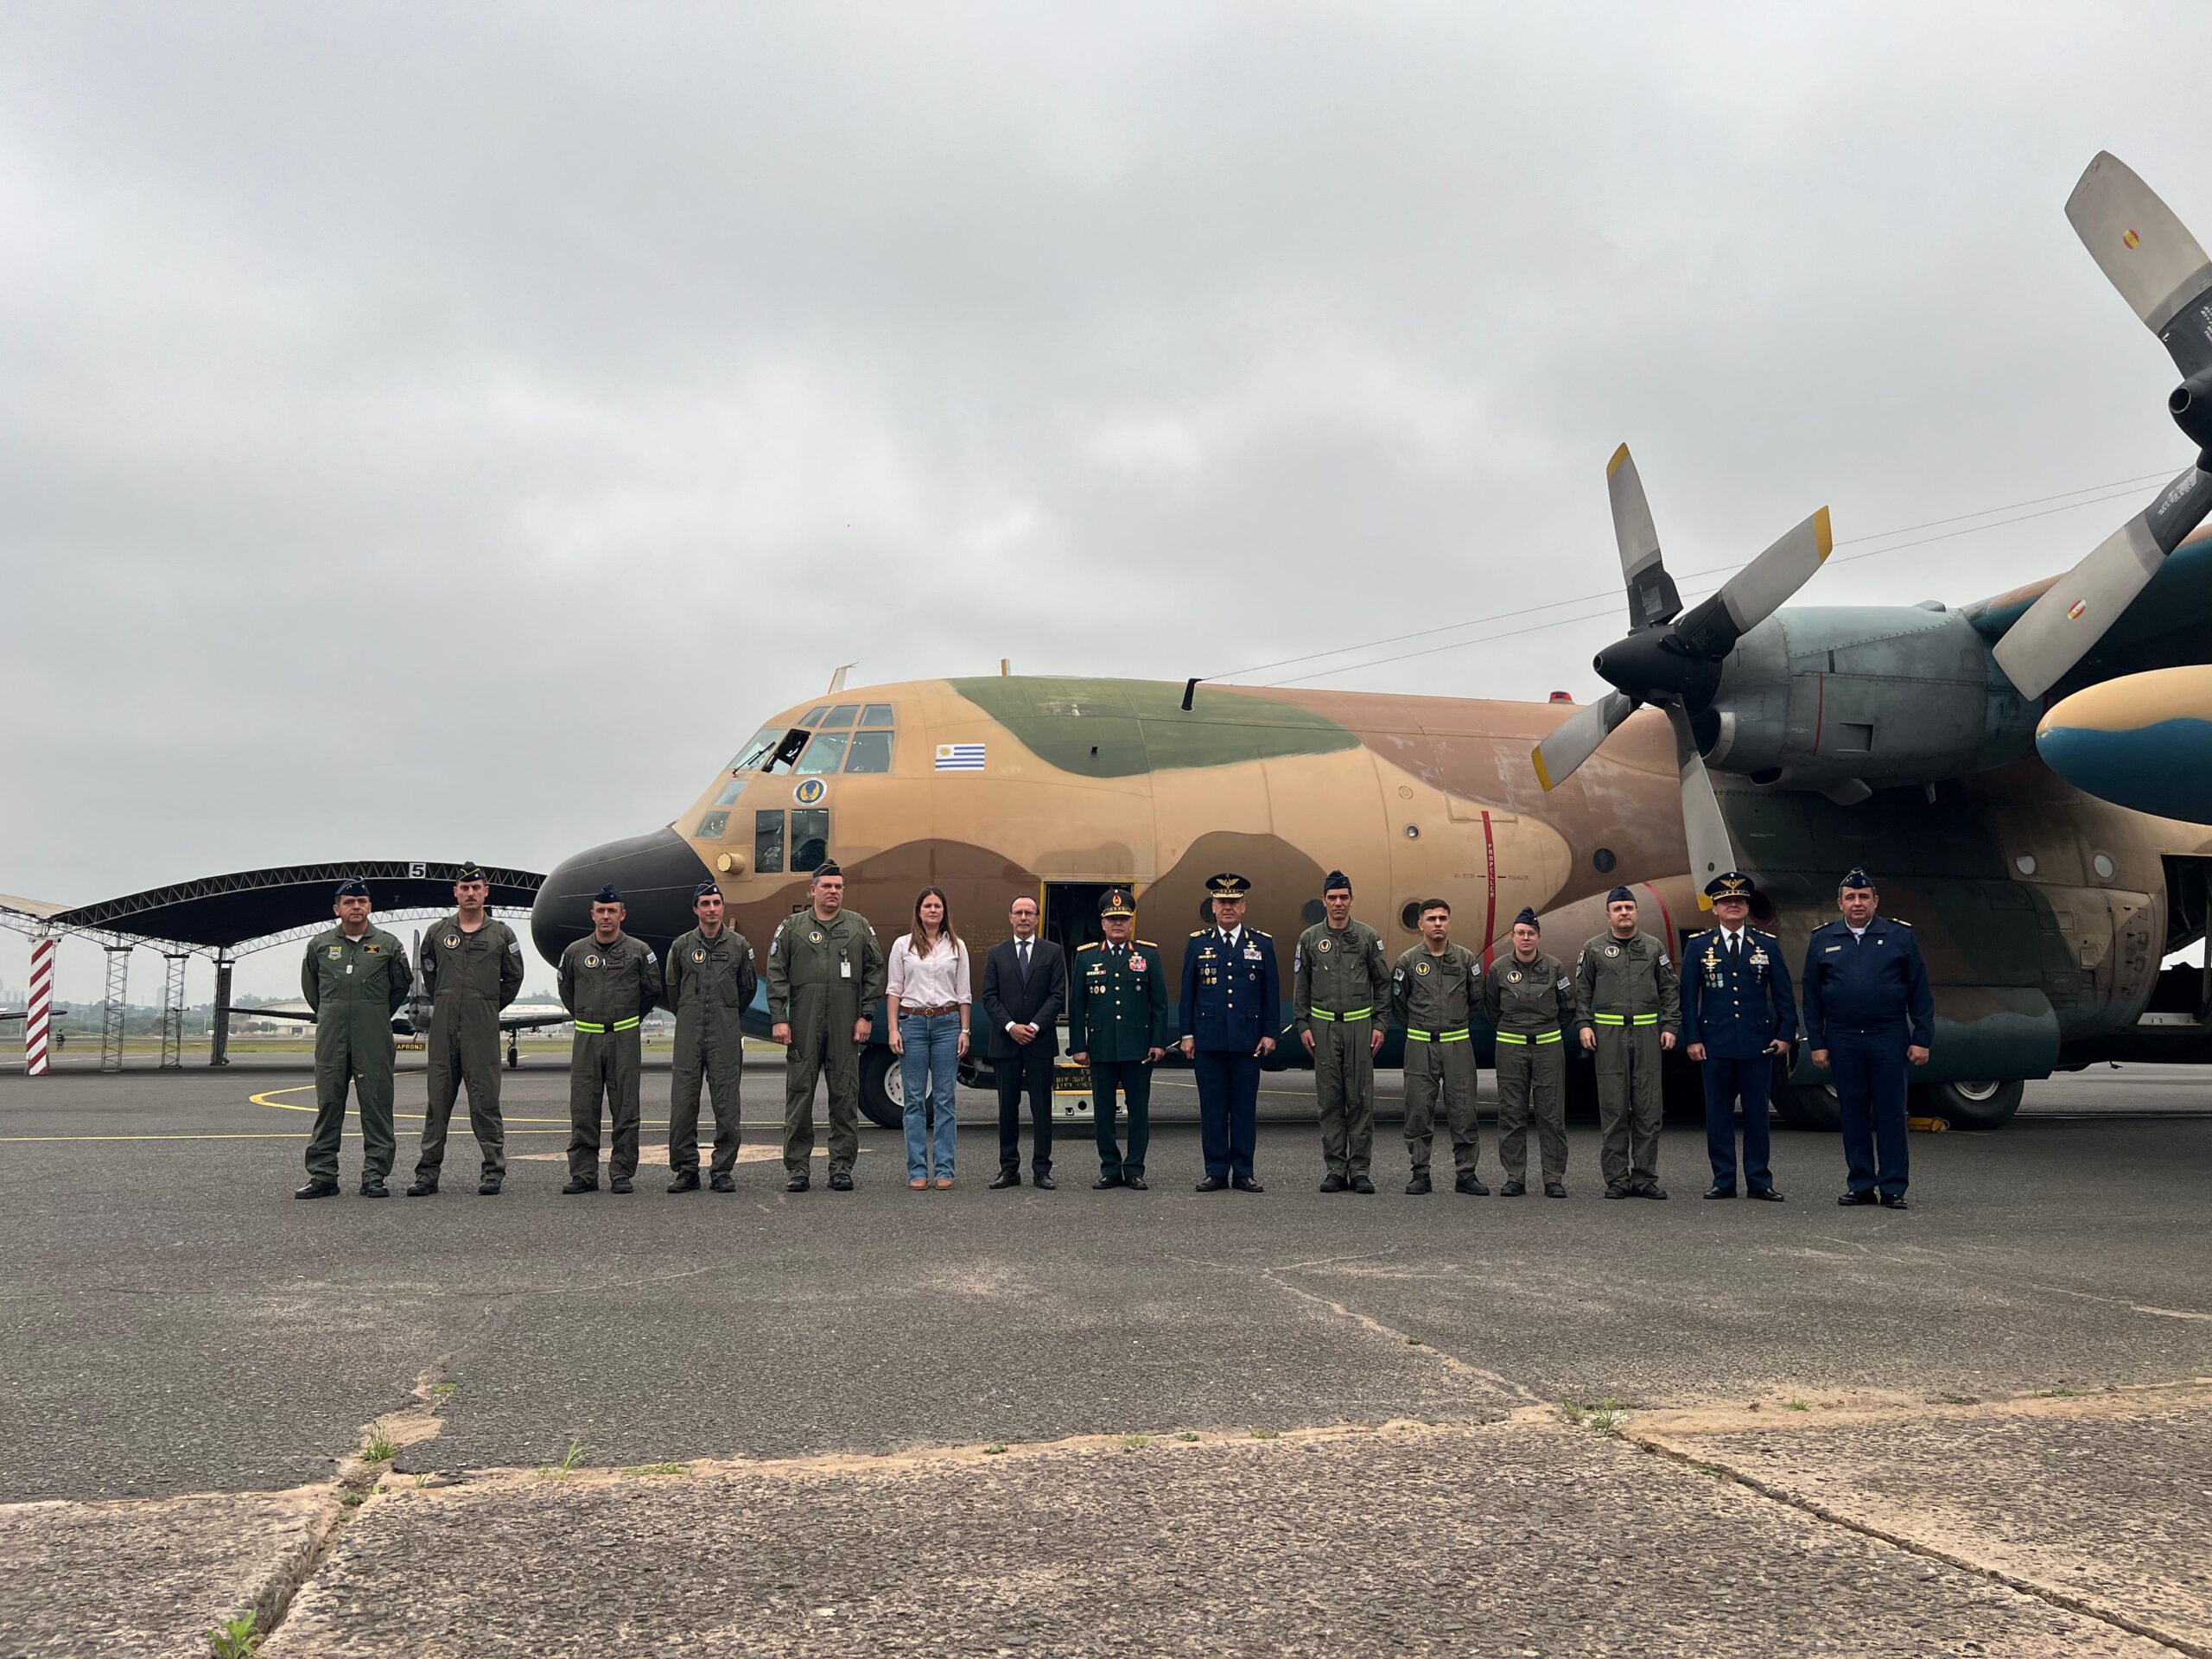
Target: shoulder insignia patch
(1148, 945)
(1080, 949)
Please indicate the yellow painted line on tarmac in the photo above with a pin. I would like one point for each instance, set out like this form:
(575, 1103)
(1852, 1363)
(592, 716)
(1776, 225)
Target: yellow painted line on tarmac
(269, 1098)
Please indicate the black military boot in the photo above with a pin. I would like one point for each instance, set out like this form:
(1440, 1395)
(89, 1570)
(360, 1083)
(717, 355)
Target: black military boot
(318, 1187)
(841, 1180)
(1362, 1183)
(1419, 1184)
(375, 1189)
(1513, 1188)
(1555, 1189)
(687, 1180)
(488, 1187)
(796, 1184)
(1333, 1182)
(621, 1184)
(425, 1186)
(725, 1183)
(582, 1184)
(1469, 1182)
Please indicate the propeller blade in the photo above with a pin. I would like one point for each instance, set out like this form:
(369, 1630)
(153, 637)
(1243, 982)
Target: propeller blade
(1651, 595)
(1706, 831)
(2059, 629)
(1575, 739)
(2148, 254)
(1757, 591)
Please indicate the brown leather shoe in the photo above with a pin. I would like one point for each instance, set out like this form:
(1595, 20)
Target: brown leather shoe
(918, 1185)
(945, 1183)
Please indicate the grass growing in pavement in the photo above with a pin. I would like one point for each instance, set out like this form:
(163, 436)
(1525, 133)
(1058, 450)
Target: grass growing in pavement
(1267, 1434)
(574, 1458)
(1572, 1413)
(380, 1449)
(235, 1638)
(1186, 1435)
(655, 1469)
(439, 1390)
(1135, 1442)
(993, 1450)
(1797, 1405)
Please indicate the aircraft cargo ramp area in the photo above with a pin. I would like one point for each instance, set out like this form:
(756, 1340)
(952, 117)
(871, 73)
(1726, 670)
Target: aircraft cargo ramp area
(980, 1422)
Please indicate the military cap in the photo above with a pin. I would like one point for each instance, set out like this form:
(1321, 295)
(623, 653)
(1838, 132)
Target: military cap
(470, 871)
(1856, 876)
(1619, 894)
(353, 887)
(1227, 887)
(1732, 884)
(1528, 919)
(1115, 901)
(704, 889)
(609, 894)
(1334, 879)
(828, 867)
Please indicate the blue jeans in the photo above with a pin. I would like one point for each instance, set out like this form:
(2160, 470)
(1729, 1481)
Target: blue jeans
(929, 1069)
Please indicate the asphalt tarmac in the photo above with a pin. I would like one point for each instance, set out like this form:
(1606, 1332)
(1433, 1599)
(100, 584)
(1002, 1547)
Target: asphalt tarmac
(1096, 1422)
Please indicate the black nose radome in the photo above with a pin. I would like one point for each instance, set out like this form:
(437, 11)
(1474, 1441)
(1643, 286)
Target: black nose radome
(656, 873)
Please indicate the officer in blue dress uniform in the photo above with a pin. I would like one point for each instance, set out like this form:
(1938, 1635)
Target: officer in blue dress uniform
(1738, 1014)
(1868, 1016)
(1230, 1017)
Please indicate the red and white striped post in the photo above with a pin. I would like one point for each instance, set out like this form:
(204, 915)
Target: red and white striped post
(40, 1012)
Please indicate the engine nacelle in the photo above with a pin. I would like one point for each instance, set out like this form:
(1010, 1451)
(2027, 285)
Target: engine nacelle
(1822, 697)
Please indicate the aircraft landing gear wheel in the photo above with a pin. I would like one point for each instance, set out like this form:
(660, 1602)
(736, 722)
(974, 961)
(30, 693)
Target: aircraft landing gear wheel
(1809, 1106)
(1988, 1104)
(883, 1091)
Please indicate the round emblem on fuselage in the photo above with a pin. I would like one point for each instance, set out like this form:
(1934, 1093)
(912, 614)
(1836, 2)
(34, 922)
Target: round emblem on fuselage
(810, 791)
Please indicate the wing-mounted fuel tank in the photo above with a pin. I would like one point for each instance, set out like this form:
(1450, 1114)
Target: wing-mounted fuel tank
(1849, 699)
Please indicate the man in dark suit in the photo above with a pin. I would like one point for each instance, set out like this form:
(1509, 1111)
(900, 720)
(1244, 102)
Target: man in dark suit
(1739, 1017)
(1230, 1016)
(1869, 1015)
(1025, 987)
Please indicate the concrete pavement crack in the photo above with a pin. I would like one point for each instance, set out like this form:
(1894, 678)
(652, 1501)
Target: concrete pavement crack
(1451, 1362)
(1652, 1442)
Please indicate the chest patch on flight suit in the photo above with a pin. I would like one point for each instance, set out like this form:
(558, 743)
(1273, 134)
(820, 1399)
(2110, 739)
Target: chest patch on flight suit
(1422, 968)
(453, 941)
(591, 961)
(337, 951)
(698, 956)
(1321, 945)
(373, 948)
(1612, 949)
(813, 936)
(1513, 976)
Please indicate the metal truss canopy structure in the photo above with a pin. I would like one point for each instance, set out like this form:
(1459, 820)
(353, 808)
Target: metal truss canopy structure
(226, 916)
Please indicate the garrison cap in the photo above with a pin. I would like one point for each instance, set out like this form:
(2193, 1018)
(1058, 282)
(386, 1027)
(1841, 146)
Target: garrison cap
(353, 887)
(470, 871)
(1528, 919)
(1856, 876)
(1115, 901)
(1734, 883)
(1227, 886)
(1335, 879)
(1619, 894)
(704, 889)
(609, 894)
(828, 867)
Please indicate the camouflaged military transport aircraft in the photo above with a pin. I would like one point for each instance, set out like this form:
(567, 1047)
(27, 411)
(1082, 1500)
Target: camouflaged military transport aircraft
(1792, 743)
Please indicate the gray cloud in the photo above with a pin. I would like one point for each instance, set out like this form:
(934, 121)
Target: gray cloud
(444, 434)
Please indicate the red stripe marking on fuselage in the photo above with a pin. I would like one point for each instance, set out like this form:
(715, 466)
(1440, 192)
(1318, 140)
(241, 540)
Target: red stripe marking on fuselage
(1665, 915)
(1489, 913)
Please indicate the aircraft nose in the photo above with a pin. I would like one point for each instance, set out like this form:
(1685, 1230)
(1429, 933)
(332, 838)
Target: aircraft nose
(656, 874)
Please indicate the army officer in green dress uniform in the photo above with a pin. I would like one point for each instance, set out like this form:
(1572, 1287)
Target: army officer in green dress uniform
(1118, 1027)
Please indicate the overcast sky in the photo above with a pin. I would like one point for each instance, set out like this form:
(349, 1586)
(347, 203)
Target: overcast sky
(445, 432)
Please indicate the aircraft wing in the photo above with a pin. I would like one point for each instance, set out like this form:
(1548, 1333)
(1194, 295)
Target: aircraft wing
(531, 1019)
(296, 1011)
(2169, 623)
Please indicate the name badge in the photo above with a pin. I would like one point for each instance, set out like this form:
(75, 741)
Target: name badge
(1251, 953)
(1835, 947)
(844, 969)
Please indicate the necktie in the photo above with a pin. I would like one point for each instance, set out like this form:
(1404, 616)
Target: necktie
(1023, 951)
(1734, 941)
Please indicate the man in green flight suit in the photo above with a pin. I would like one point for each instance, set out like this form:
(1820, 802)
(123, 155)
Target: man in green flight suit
(355, 977)
(1529, 1000)
(1629, 1003)
(609, 982)
(825, 973)
(1339, 979)
(710, 982)
(472, 967)
(1118, 1027)
(1433, 990)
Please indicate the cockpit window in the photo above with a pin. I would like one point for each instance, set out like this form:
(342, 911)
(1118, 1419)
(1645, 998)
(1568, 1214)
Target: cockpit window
(787, 751)
(813, 716)
(871, 752)
(876, 714)
(822, 755)
(840, 717)
(756, 751)
(731, 790)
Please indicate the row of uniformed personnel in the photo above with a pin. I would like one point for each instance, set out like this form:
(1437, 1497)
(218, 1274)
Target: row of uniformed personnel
(1865, 988)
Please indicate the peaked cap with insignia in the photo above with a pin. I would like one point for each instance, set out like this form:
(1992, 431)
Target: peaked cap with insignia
(1227, 886)
(1734, 883)
(1115, 901)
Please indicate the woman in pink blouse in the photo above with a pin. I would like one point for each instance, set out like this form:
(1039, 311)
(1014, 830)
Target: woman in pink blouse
(929, 998)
